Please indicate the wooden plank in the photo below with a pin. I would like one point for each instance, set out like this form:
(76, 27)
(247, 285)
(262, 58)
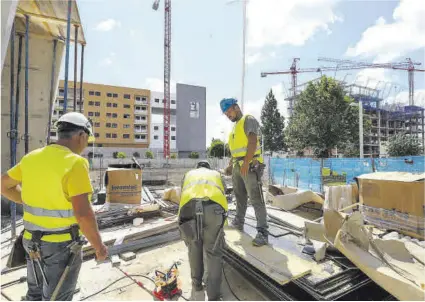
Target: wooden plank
(149, 194)
(281, 265)
(288, 218)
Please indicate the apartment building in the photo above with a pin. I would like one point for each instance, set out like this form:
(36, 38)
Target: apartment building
(120, 115)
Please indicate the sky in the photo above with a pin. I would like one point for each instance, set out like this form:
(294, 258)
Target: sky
(125, 46)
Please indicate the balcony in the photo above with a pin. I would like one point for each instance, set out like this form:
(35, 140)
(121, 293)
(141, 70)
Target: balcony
(140, 121)
(141, 101)
(140, 130)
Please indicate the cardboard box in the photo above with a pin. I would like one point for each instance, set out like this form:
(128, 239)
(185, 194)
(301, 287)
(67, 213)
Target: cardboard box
(123, 184)
(394, 200)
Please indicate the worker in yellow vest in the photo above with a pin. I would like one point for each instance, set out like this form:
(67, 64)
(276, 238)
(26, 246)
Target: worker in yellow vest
(53, 185)
(246, 166)
(202, 215)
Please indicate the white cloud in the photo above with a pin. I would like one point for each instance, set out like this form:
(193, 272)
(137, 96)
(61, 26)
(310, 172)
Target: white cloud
(108, 60)
(132, 33)
(388, 41)
(107, 25)
(251, 59)
(156, 84)
(293, 22)
(402, 98)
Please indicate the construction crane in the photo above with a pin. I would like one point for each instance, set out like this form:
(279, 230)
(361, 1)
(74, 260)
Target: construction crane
(408, 65)
(167, 72)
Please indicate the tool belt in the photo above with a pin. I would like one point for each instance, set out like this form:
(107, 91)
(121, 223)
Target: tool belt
(73, 231)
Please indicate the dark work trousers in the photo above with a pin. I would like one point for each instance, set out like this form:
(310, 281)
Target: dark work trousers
(54, 258)
(244, 187)
(212, 223)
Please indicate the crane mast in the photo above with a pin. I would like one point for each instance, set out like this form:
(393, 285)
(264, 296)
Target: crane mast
(167, 77)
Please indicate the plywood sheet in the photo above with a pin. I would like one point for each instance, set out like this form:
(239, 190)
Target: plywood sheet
(287, 218)
(280, 265)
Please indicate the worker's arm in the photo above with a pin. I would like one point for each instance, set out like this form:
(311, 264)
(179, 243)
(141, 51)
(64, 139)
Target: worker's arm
(252, 146)
(10, 188)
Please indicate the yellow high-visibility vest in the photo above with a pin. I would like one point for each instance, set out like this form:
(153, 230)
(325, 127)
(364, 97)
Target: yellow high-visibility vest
(238, 142)
(203, 183)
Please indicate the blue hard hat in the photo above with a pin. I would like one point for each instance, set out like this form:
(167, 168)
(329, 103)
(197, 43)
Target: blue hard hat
(227, 103)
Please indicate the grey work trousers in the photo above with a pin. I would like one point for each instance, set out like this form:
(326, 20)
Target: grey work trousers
(54, 258)
(212, 222)
(244, 187)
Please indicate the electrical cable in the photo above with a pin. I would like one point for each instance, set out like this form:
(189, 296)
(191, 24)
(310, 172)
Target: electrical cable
(109, 285)
(228, 284)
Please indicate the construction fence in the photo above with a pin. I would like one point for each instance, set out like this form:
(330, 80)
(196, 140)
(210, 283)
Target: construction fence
(313, 174)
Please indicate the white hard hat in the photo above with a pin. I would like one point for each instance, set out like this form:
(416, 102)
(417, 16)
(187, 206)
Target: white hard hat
(77, 119)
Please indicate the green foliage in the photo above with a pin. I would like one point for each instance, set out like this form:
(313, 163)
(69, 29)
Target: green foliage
(149, 154)
(173, 156)
(216, 149)
(136, 154)
(194, 155)
(121, 155)
(324, 117)
(273, 125)
(404, 145)
(115, 155)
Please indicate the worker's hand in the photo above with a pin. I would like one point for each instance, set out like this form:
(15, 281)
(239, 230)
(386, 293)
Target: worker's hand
(244, 169)
(101, 253)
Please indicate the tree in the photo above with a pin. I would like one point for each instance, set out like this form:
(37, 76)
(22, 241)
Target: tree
(216, 148)
(115, 154)
(121, 155)
(324, 117)
(404, 145)
(136, 154)
(149, 154)
(173, 156)
(273, 125)
(194, 155)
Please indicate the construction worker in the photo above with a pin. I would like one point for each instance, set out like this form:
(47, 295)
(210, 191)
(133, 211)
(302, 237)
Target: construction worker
(246, 167)
(202, 215)
(53, 184)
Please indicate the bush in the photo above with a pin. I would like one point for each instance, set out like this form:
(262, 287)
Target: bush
(136, 154)
(115, 155)
(194, 155)
(404, 145)
(149, 154)
(121, 155)
(174, 156)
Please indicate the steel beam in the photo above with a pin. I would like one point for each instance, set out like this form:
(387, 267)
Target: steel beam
(75, 66)
(68, 34)
(26, 136)
(52, 91)
(81, 77)
(12, 133)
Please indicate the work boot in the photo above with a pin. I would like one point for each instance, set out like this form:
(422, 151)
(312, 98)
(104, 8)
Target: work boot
(261, 239)
(197, 286)
(236, 224)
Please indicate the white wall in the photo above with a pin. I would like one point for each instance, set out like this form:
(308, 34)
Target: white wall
(159, 143)
(160, 96)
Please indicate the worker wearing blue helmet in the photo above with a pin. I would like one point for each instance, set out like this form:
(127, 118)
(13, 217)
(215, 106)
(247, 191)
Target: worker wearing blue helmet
(246, 167)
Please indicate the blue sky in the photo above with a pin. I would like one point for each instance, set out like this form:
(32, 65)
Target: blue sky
(125, 45)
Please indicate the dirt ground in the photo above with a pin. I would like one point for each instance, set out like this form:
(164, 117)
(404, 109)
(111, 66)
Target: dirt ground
(95, 277)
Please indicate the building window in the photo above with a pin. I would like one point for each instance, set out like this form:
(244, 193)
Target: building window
(143, 108)
(126, 126)
(52, 133)
(127, 106)
(127, 96)
(143, 136)
(108, 104)
(97, 93)
(114, 115)
(144, 98)
(97, 124)
(61, 92)
(194, 110)
(114, 135)
(173, 138)
(96, 135)
(155, 128)
(155, 137)
(108, 125)
(156, 100)
(91, 92)
(97, 114)
(173, 102)
(115, 105)
(60, 112)
(108, 135)
(126, 136)
(108, 114)
(137, 136)
(114, 125)
(143, 118)
(97, 104)
(115, 95)
(126, 115)
(143, 127)
(90, 113)
(109, 95)
(173, 128)
(91, 103)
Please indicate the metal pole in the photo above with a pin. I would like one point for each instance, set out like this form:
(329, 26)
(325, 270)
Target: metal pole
(68, 34)
(243, 54)
(27, 26)
(18, 88)
(75, 65)
(52, 94)
(81, 77)
(361, 127)
(12, 132)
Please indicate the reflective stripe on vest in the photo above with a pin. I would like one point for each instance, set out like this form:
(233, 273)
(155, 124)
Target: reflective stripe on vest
(200, 184)
(32, 227)
(238, 142)
(48, 213)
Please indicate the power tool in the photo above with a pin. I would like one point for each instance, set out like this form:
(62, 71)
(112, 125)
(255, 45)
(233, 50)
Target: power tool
(166, 284)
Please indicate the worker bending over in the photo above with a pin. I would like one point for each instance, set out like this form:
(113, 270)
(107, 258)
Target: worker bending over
(202, 214)
(53, 184)
(247, 167)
